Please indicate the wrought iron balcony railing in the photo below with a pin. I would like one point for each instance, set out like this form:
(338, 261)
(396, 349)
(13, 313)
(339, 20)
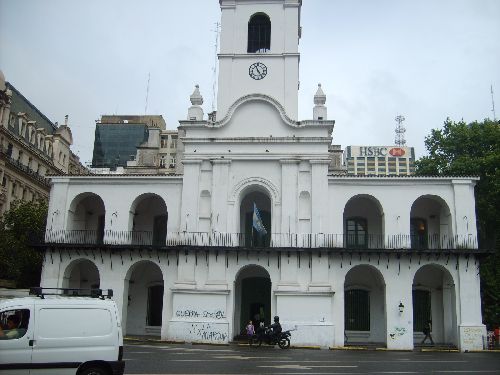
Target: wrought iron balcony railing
(274, 240)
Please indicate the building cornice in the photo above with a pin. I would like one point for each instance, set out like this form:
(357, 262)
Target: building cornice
(258, 140)
(401, 180)
(115, 179)
(258, 54)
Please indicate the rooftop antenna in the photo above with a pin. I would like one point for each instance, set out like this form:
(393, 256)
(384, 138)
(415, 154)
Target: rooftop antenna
(400, 131)
(214, 69)
(147, 95)
(493, 104)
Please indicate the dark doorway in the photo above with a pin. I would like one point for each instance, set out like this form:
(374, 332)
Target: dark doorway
(255, 301)
(155, 305)
(160, 230)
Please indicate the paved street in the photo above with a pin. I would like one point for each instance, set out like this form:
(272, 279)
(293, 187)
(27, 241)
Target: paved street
(204, 359)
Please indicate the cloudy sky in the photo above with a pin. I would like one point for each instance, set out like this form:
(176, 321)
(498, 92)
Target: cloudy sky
(424, 59)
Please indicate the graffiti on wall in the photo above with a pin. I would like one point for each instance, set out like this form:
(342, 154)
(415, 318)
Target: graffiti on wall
(207, 332)
(398, 331)
(188, 313)
(472, 336)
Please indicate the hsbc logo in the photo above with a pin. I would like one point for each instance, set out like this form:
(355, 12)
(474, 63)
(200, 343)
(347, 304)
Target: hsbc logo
(380, 151)
(396, 151)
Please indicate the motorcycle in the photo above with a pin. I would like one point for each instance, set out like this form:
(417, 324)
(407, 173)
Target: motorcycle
(267, 336)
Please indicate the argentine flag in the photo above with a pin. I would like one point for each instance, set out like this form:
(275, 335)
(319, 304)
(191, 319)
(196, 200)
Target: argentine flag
(257, 221)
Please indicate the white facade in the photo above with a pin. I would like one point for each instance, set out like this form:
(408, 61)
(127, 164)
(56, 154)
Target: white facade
(184, 263)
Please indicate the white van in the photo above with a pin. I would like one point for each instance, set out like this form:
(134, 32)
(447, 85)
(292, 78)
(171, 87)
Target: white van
(61, 331)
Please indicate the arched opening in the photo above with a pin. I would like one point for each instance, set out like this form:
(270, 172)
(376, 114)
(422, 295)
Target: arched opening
(364, 306)
(252, 298)
(86, 219)
(259, 33)
(430, 224)
(255, 219)
(148, 220)
(143, 299)
(363, 223)
(81, 274)
(433, 293)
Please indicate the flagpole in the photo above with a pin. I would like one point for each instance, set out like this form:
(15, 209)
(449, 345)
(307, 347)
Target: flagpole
(251, 240)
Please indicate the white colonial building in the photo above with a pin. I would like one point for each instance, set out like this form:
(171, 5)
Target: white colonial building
(346, 259)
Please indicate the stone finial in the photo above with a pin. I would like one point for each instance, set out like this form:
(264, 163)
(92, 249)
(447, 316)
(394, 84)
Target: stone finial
(195, 112)
(319, 110)
(320, 97)
(196, 98)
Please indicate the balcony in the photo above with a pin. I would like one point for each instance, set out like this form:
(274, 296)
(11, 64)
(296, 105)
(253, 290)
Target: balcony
(24, 168)
(327, 241)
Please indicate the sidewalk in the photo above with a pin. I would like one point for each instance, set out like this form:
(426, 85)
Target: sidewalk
(361, 347)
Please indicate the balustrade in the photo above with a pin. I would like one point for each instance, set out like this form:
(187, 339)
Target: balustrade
(276, 240)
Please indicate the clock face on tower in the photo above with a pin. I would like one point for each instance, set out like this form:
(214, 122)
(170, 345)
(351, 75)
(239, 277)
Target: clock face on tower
(257, 70)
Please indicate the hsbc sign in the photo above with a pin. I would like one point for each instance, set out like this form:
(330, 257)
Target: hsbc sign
(382, 151)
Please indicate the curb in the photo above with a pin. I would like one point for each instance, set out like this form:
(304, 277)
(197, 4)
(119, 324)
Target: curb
(312, 347)
(440, 350)
(156, 341)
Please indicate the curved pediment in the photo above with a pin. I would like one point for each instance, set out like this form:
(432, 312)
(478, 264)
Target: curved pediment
(256, 98)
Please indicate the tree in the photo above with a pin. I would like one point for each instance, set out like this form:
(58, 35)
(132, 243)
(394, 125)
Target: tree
(461, 149)
(19, 261)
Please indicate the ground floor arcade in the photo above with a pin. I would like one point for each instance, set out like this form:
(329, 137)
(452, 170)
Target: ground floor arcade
(329, 299)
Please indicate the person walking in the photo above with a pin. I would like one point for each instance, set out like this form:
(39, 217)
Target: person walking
(427, 332)
(250, 331)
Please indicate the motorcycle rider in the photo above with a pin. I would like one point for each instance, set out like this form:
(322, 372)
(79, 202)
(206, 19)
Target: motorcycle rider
(276, 328)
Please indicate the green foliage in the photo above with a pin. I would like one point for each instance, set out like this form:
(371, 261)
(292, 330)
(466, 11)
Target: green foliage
(461, 149)
(24, 222)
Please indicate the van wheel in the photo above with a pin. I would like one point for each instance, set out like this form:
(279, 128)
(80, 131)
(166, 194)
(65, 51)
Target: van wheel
(94, 370)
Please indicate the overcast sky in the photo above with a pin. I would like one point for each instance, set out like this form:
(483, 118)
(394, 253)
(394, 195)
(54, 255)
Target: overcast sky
(423, 59)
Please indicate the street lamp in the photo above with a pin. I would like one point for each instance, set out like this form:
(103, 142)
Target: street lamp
(401, 307)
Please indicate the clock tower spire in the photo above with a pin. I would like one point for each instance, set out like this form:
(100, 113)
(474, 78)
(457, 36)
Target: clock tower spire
(259, 52)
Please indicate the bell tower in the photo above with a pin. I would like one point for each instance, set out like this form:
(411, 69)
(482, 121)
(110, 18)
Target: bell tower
(259, 52)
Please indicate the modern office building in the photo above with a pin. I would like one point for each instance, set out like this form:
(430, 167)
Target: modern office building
(257, 222)
(380, 160)
(133, 144)
(31, 147)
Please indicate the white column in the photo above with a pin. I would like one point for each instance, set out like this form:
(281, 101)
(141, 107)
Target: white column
(465, 214)
(288, 271)
(338, 280)
(289, 195)
(319, 272)
(186, 270)
(216, 270)
(220, 184)
(319, 198)
(190, 195)
(399, 327)
(471, 329)
(50, 270)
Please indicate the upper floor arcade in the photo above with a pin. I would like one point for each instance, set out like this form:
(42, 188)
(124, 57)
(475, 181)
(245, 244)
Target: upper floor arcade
(377, 214)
